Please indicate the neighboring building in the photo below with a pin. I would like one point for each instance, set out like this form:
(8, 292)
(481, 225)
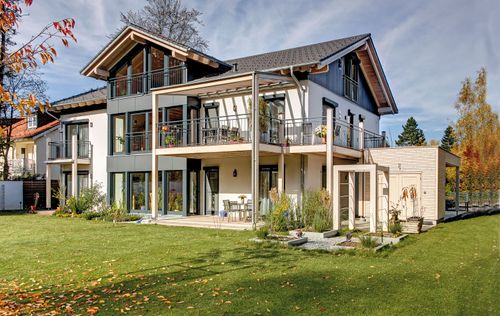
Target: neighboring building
(180, 137)
(76, 155)
(27, 154)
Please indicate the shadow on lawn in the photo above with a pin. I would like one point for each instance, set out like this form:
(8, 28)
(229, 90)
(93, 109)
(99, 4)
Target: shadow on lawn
(165, 285)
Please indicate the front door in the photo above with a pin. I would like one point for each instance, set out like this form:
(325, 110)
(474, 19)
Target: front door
(211, 191)
(268, 179)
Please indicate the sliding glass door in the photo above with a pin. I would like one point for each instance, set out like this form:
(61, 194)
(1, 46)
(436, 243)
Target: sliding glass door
(268, 179)
(211, 191)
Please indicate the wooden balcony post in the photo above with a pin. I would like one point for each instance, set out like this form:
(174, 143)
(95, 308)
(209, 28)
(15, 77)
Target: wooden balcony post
(255, 147)
(373, 198)
(154, 158)
(352, 210)
(329, 151)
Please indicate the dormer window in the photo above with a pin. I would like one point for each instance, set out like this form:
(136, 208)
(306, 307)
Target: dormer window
(351, 77)
(32, 122)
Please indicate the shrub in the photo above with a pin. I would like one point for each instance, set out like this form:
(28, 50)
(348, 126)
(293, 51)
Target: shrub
(316, 210)
(90, 215)
(262, 232)
(368, 242)
(280, 212)
(395, 229)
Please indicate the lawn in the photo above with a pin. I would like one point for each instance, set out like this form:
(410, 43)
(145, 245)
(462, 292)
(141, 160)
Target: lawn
(77, 266)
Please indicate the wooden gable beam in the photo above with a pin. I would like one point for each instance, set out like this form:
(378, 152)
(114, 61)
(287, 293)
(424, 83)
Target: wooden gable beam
(178, 56)
(203, 60)
(138, 39)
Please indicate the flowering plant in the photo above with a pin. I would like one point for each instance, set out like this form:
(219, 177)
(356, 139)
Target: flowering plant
(320, 131)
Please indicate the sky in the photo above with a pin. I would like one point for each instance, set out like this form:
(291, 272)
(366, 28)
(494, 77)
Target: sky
(427, 47)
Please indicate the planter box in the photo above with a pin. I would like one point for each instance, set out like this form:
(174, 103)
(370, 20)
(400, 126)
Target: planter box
(412, 226)
(315, 235)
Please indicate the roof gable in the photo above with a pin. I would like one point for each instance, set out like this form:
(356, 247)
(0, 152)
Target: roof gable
(128, 38)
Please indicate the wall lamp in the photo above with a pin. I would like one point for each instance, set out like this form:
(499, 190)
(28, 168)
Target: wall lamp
(235, 173)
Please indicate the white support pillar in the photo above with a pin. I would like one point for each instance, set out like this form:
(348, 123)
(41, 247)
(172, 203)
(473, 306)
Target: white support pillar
(457, 189)
(281, 173)
(154, 158)
(74, 165)
(48, 177)
(373, 198)
(352, 212)
(336, 200)
(255, 147)
(384, 202)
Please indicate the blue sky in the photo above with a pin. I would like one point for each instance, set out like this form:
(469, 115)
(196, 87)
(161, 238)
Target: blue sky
(427, 48)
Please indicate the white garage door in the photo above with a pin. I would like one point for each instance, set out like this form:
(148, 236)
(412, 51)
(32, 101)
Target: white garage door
(400, 181)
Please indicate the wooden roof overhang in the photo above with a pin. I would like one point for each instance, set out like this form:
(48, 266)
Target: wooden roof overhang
(77, 104)
(226, 85)
(100, 65)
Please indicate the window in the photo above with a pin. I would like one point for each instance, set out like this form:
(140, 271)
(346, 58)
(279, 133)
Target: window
(32, 121)
(351, 77)
(274, 109)
(118, 133)
(138, 192)
(174, 190)
(137, 137)
(118, 189)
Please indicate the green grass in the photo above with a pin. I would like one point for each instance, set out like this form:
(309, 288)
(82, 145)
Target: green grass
(56, 263)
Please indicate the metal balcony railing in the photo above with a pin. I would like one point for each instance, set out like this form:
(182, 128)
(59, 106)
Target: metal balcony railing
(139, 141)
(142, 83)
(63, 150)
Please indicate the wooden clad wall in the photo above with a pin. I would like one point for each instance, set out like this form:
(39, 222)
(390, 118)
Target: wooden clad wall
(30, 187)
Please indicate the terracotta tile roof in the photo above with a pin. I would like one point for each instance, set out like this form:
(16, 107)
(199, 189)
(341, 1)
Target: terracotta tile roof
(20, 129)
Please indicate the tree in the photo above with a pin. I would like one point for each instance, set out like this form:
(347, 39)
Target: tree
(448, 139)
(434, 142)
(411, 134)
(170, 19)
(477, 134)
(18, 95)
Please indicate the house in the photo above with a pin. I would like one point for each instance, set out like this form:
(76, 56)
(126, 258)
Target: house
(183, 136)
(27, 153)
(76, 155)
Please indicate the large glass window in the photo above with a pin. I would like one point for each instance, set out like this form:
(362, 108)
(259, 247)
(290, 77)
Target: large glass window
(138, 192)
(118, 189)
(121, 81)
(81, 130)
(137, 67)
(274, 109)
(174, 189)
(160, 191)
(119, 133)
(351, 76)
(137, 137)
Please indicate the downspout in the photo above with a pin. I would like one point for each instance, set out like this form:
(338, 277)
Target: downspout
(302, 98)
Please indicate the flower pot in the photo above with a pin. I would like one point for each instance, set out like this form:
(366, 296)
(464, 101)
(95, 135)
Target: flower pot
(412, 225)
(323, 140)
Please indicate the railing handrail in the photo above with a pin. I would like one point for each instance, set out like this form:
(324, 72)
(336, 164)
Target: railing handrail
(147, 73)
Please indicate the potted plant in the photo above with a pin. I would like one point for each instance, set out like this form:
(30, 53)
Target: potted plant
(320, 131)
(170, 141)
(413, 224)
(242, 198)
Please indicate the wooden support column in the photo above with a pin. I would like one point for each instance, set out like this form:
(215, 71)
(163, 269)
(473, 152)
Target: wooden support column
(48, 177)
(384, 201)
(154, 158)
(255, 148)
(373, 198)
(74, 165)
(336, 200)
(352, 209)
(329, 151)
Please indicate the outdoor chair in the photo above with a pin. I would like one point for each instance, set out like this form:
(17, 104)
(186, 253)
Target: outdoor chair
(224, 133)
(234, 134)
(234, 210)
(226, 208)
(248, 210)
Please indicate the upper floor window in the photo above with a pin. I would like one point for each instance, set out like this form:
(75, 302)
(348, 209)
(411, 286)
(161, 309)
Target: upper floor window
(32, 122)
(351, 77)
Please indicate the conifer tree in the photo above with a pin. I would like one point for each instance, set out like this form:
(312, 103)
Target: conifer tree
(448, 139)
(411, 135)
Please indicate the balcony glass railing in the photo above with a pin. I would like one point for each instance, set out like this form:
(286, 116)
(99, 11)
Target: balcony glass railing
(142, 83)
(63, 150)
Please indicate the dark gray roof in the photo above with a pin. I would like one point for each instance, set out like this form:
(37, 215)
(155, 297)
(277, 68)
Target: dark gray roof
(303, 55)
(94, 94)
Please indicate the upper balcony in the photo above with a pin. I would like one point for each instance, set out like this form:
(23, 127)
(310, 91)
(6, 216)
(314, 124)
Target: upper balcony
(231, 131)
(142, 83)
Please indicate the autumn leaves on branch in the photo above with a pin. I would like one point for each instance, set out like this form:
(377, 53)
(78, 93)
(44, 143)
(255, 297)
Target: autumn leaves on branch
(39, 49)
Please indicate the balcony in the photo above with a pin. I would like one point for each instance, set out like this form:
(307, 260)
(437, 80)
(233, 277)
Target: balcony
(21, 166)
(144, 82)
(63, 150)
(232, 130)
(139, 141)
